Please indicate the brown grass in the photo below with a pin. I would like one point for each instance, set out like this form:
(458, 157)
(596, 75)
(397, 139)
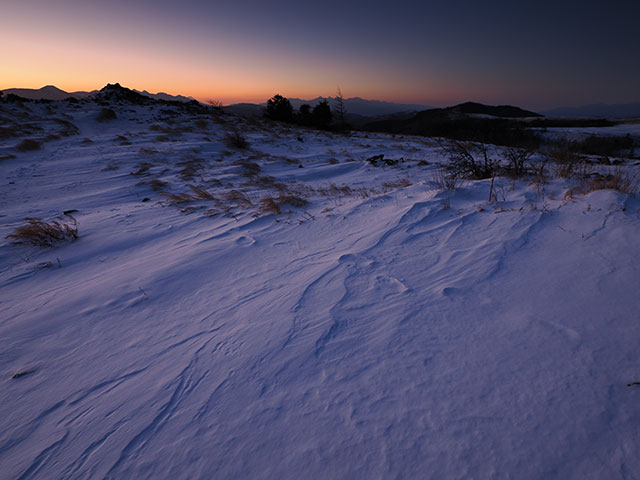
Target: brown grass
(190, 168)
(274, 204)
(251, 168)
(402, 183)
(155, 184)
(618, 181)
(200, 193)
(238, 197)
(42, 234)
(177, 198)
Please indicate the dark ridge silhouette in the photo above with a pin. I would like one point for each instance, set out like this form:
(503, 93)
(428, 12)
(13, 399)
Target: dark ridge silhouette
(504, 111)
(505, 125)
(116, 92)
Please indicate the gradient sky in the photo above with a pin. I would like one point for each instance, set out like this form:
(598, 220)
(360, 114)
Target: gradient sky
(535, 54)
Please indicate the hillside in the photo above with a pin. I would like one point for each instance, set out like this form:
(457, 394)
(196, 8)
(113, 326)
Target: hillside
(294, 308)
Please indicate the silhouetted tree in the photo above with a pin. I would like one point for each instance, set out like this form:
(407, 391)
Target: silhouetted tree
(340, 110)
(304, 115)
(279, 108)
(321, 115)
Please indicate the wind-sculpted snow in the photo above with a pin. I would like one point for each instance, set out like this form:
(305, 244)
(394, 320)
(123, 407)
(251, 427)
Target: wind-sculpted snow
(369, 334)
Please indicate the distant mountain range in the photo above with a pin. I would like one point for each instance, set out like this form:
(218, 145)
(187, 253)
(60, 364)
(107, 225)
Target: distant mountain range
(358, 108)
(601, 110)
(51, 92)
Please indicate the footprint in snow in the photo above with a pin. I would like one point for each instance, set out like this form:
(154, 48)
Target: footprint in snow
(388, 285)
(245, 241)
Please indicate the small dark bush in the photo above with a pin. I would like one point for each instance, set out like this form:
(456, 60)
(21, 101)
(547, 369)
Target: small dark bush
(235, 139)
(28, 145)
(106, 114)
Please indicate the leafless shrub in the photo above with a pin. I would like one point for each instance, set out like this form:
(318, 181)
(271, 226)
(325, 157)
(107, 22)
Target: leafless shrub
(106, 114)
(42, 234)
(28, 145)
(539, 179)
(517, 161)
(333, 161)
(6, 156)
(235, 139)
(469, 159)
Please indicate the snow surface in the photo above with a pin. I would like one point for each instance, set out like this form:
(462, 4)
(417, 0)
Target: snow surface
(369, 334)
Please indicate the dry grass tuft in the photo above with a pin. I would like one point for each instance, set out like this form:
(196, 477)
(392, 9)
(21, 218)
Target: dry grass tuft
(251, 168)
(238, 197)
(201, 193)
(274, 204)
(402, 183)
(618, 181)
(446, 180)
(42, 234)
(190, 168)
(28, 145)
(269, 205)
(292, 200)
(142, 168)
(177, 198)
(155, 184)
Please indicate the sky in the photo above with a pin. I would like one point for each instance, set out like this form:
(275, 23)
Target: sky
(534, 54)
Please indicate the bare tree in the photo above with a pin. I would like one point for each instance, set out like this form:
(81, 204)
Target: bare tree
(339, 108)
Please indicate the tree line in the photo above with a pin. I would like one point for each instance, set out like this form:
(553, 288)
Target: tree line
(320, 116)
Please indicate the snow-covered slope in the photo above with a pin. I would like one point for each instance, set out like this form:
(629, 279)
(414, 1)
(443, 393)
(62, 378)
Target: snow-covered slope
(192, 332)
